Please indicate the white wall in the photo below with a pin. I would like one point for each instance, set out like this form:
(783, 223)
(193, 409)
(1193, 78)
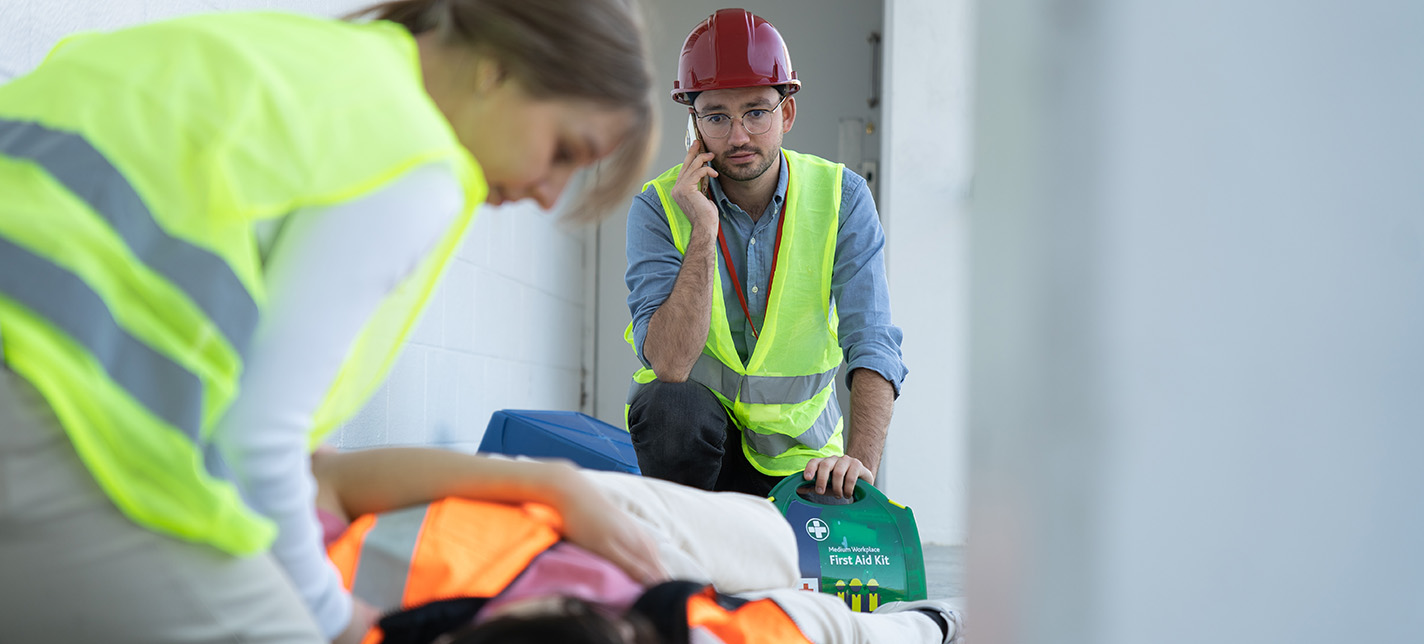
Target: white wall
(926, 174)
(1198, 322)
(504, 329)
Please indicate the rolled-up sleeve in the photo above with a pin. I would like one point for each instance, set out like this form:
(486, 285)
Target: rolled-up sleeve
(653, 264)
(867, 336)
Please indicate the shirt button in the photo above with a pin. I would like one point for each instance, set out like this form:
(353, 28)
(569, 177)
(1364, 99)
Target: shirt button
(754, 289)
(753, 242)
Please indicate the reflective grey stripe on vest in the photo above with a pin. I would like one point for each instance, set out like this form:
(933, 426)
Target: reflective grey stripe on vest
(759, 390)
(166, 389)
(203, 276)
(815, 437)
(708, 372)
(714, 375)
(785, 390)
(386, 553)
(756, 390)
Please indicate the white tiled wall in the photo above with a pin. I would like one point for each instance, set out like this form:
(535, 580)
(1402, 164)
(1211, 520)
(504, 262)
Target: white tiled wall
(505, 328)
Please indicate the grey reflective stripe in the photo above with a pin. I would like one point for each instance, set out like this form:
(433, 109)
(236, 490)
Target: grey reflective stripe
(708, 372)
(815, 437)
(755, 390)
(386, 554)
(786, 390)
(716, 376)
(83, 170)
(169, 391)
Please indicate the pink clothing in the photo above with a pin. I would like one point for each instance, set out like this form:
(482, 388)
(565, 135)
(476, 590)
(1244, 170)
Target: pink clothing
(568, 570)
(564, 569)
(331, 526)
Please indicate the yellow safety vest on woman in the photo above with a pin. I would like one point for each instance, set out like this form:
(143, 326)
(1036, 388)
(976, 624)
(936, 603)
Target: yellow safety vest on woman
(134, 167)
(783, 398)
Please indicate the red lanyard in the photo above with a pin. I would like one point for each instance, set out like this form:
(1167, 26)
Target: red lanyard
(737, 282)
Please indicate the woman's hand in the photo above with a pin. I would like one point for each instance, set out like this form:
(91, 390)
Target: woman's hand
(363, 617)
(593, 523)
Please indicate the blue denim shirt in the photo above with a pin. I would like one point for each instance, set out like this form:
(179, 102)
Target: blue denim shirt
(858, 287)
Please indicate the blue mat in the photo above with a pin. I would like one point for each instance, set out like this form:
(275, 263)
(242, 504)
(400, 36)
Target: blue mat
(578, 437)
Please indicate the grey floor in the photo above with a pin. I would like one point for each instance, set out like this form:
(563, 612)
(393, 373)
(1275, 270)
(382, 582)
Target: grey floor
(944, 571)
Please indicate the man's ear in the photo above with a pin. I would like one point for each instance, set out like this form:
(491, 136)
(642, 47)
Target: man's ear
(788, 114)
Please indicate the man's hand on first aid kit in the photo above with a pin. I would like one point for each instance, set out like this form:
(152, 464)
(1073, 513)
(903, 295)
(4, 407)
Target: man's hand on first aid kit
(836, 475)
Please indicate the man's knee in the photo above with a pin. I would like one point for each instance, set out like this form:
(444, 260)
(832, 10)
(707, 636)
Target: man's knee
(678, 431)
(675, 401)
(677, 412)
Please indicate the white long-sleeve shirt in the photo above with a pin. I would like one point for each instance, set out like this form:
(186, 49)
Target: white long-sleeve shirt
(327, 270)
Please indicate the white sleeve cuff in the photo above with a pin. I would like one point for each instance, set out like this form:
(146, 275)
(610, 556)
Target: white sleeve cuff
(332, 610)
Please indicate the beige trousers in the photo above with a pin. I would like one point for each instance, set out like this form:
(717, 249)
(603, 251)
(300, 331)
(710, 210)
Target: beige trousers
(74, 569)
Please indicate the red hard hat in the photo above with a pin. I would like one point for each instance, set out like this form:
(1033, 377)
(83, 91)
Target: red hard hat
(733, 48)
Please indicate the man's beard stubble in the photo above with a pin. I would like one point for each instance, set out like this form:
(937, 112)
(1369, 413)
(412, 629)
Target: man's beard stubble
(741, 173)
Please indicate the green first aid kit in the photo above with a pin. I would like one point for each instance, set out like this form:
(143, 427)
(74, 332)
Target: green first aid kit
(866, 552)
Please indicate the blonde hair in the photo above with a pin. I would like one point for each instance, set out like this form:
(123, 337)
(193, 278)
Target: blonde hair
(581, 49)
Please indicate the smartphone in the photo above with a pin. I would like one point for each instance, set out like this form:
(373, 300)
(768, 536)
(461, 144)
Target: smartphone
(691, 133)
(688, 140)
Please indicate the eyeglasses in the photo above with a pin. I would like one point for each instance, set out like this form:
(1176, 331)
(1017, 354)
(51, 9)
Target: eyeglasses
(717, 126)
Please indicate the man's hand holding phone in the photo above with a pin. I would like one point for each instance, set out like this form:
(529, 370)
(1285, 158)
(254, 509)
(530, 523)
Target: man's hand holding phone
(690, 192)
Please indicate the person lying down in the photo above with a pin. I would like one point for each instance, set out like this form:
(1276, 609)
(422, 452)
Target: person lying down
(459, 548)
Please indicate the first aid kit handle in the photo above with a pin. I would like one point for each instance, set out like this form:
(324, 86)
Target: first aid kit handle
(791, 486)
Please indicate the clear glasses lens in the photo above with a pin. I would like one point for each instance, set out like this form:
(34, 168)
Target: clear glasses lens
(720, 125)
(757, 121)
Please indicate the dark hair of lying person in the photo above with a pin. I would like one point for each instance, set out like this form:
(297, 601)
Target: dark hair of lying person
(573, 621)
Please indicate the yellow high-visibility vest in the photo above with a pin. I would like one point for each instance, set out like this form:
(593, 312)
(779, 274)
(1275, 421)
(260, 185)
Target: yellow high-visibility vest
(134, 167)
(783, 398)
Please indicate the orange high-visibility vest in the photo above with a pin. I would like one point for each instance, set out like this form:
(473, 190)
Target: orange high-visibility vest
(446, 549)
(731, 622)
(458, 548)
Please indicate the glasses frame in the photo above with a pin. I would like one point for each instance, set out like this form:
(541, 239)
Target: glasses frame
(740, 119)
